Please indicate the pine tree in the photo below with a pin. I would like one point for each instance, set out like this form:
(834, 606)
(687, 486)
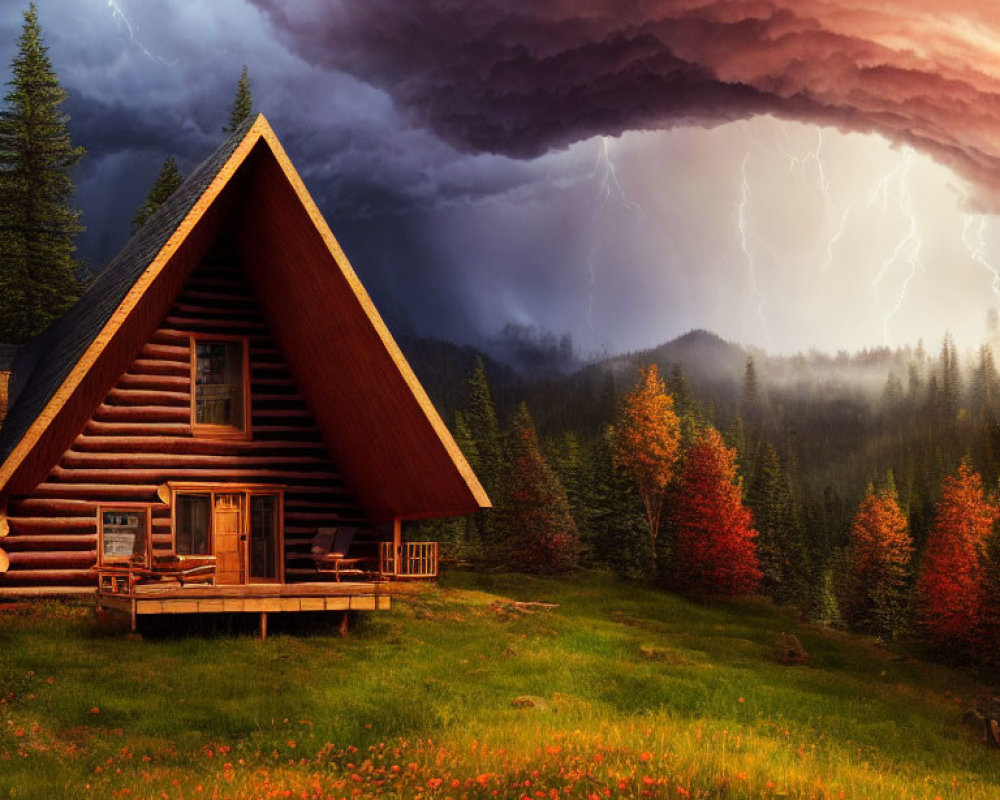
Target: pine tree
(486, 458)
(646, 443)
(38, 226)
(540, 534)
(242, 103)
(780, 547)
(713, 550)
(951, 588)
(751, 404)
(617, 522)
(872, 592)
(166, 184)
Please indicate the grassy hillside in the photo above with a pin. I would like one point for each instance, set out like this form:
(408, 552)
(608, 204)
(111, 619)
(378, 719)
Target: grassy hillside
(639, 694)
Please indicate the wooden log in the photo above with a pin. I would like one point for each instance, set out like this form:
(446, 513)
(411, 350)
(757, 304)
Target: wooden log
(219, 324)
(169, 383)
(52, 507)
(51, 542)
(147, 397)
(170, 337)
(154, 414)
(289, 382)
(49, 577)
(189, 308)
(165, 352)
(94, 460)
(122, 491)
(284, 430)
(184, 444)
(193, 292)
(4, 527)
(156, 476)
(279, 413)
(28, 525)
(151, 366)
(58, 559)
(4, 560)
(98, 428)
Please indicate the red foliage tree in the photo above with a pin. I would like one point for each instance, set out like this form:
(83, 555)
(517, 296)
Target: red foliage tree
(951, 589)
(646, 442)
(714, 551)
(537, 524)
(872, 593)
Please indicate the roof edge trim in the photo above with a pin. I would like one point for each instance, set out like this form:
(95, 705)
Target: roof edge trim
(398, 359)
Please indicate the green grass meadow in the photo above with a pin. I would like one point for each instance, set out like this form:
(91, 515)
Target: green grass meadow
(637, 693)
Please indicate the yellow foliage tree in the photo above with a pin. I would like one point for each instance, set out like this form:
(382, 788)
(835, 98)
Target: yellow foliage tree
(646, 444)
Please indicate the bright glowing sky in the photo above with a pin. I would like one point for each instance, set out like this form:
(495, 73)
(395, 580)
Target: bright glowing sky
(586, 169)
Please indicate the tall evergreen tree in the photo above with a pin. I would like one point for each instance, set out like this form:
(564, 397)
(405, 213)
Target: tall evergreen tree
(618, 521)
(540, 534)
(166, 184)
(486, 460)
(780, 549)
(242, 103)
(751, 402)
(38, 226)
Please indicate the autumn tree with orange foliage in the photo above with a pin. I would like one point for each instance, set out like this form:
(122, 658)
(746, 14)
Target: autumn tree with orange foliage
(951, 590)
(872, 590)
(714, 551)
(646, 442)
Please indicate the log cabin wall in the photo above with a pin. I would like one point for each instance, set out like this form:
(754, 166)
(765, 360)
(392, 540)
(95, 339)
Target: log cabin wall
(140, 436)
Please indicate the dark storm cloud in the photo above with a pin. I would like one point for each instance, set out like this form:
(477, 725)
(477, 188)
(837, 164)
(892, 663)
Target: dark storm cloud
(522, 78)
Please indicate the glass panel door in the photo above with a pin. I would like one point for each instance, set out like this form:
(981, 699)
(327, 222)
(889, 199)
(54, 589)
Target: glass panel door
(264, 545)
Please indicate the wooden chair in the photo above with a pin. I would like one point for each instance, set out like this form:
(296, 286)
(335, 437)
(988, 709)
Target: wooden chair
(329, 552)
(121, 578)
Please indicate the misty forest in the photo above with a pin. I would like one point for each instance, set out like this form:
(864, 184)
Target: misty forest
(816, 439)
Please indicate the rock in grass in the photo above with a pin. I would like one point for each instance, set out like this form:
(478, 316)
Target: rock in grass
(788, 650)
(652, 652)
(530, 701)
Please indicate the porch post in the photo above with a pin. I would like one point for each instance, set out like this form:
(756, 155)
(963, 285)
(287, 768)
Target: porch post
(397, 543)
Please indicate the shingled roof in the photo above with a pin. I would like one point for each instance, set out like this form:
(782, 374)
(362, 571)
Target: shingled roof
(395, 453)
(40, 366)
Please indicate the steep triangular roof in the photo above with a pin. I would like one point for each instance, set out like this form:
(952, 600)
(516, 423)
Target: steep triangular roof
(396, 454)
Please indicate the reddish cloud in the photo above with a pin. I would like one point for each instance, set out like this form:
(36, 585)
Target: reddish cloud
(522, 78)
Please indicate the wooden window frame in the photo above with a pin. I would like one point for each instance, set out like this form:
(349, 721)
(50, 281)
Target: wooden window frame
(246, 489)
(147, 508)
(202, 430)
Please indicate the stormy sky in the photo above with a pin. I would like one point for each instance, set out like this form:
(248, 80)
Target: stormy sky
(790, 174)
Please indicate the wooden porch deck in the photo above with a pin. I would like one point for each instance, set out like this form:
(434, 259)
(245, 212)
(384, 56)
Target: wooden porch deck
(260, 598)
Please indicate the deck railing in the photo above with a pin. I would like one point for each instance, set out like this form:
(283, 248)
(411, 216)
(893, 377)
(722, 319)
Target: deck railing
(416, 560)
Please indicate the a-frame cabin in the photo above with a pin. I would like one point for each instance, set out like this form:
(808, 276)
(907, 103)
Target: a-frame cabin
(222, 397)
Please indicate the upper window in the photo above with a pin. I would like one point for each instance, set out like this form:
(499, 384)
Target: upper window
(220, 386)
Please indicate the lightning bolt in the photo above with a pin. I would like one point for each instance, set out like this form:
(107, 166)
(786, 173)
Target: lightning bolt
(907, 251)
(608, 187)
(815, 157)
(751, 256)
(118, 14)
(974, 239)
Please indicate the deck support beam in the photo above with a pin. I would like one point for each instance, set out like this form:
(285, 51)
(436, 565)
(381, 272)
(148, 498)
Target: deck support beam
(263, 625)
(344, 624)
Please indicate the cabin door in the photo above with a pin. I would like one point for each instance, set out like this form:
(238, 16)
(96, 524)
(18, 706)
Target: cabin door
(227, 526)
